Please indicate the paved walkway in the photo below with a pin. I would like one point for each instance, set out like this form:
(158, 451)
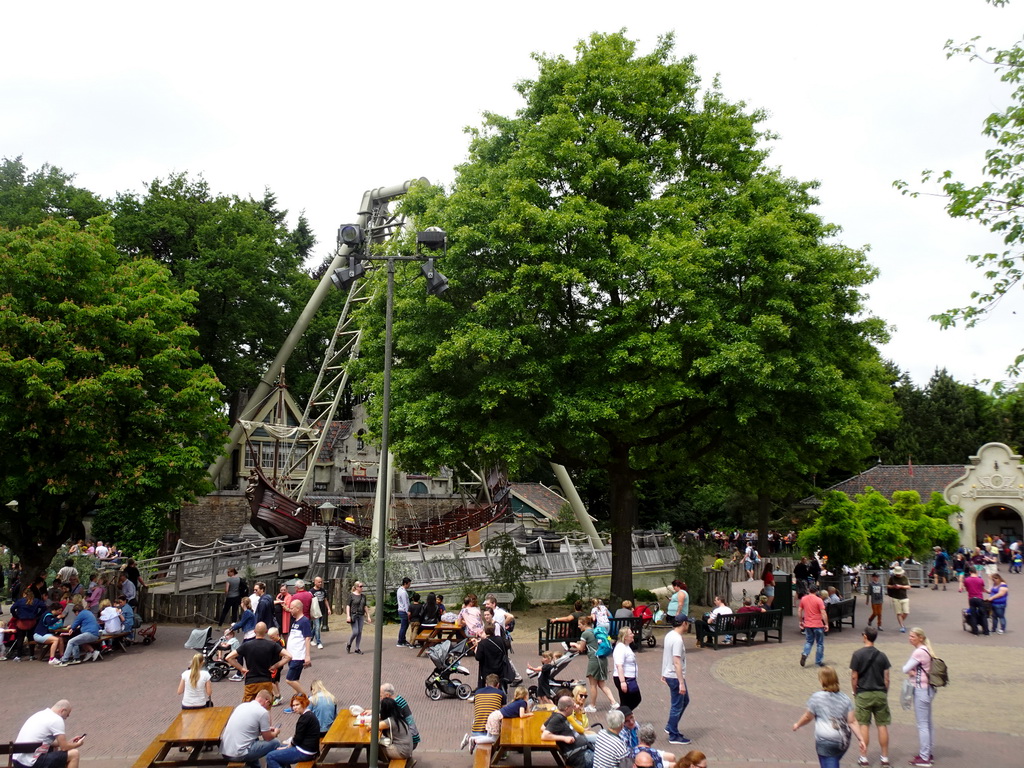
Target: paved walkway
(744, 700)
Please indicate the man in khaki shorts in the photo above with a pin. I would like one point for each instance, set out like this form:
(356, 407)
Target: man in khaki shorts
(869, 675)
(899, 590)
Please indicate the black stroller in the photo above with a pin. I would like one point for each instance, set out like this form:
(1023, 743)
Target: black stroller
(446, 658)
(553, 683)
(201, 641)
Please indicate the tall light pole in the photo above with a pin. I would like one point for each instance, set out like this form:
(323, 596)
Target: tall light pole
(432, 240)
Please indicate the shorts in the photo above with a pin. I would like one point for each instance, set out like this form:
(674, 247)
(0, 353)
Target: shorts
(769, 591)
(868, 703)
(749, 565)
(597, 667)
(58, 758)
(901, 605)
(991, 568)
(42, 638)
(251, 689)
(294, 669)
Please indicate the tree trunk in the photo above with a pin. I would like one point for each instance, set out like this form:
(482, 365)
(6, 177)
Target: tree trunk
(763, 505)
(623, 502)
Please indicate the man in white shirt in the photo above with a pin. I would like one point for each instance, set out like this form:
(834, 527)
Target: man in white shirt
(299, 647)
(402, 594)
(673, 673)
(47, 727)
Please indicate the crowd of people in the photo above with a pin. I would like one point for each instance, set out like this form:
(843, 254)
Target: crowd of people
(70, 615)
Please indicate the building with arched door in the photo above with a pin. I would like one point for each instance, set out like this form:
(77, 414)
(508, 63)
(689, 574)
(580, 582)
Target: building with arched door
(991, 494)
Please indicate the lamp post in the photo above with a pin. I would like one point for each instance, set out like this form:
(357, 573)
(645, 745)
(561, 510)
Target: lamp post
(432, 240)
(326, 516)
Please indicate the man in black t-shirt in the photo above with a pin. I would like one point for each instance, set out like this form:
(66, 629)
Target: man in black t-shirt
(869, 674)
(261, 656)
(575, 747)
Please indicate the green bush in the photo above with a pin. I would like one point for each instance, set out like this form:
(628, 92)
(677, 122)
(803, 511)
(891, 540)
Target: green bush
(643, 596)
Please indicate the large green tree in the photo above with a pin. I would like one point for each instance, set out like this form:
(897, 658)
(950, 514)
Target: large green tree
(240, 258)
(632, 289)
(103, 400)
(30, 197)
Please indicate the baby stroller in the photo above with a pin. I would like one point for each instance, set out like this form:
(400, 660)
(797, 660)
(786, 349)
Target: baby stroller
(647, 613)
(446, 658)
(201, 641)
(553, 682)
(147, 633)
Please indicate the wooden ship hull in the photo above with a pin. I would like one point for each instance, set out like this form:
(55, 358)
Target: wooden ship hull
(272, 513)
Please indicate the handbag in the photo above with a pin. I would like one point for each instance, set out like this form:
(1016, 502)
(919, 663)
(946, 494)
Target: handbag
(314, 609)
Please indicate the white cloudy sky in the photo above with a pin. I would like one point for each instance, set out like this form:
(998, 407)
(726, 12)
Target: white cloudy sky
(320, 101)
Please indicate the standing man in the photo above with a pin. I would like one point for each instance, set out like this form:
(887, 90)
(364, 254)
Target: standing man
(673, 674)
(264, 605)
(299, 647)
(261, 657)
(320, 624)
(47, 727)
(899, 591)
(403, 612)
(978, 616)
(941, 569)
(814, 623)
(232, 597)
(240, 740)
(131, 594)
(875, 597)
(869, 676)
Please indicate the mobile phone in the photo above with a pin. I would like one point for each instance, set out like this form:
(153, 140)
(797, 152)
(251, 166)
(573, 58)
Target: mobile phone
(82, 736)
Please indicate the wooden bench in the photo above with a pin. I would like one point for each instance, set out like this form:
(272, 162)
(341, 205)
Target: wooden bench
(841, 613)
(635, 623)
(557, 632)
(151, 753)
(11, 748)
(752, 624)
(748, 624)
(482, 756)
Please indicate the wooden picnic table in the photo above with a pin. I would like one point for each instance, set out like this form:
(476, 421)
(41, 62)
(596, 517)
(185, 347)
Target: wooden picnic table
(193, 729)
(345, 733)
(441, 631)
(522, 734)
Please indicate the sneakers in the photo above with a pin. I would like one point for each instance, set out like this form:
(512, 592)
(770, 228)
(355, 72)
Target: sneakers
(921, 762)
(999, 631)
(904, 631)
(75, 661)
(465, 741)
(863, 762)
(880, 629)
(590, 708)
(679, 740)
(276, 702)
(54, 661)
(236, 678)
(288, 711)
(803, 659)
(613, 705)
(884, 762)
(63, 663)
(320, 646)
(358, 651)
(348, 649)
(96, 656)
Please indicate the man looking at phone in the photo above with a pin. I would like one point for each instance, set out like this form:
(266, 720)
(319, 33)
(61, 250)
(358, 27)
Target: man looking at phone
(47, 727)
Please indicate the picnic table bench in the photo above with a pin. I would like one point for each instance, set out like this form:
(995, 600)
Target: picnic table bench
(522, 734)
(192, 729)
(12, 748)
(347, 733)
(749, 625)
(440, 632)
(841, 613)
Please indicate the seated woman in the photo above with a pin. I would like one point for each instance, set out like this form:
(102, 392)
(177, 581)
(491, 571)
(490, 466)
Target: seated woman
(195, 688)
(47, 632)
(431, 615)
(393, 725)
(322, 704)
(305, 744)
(92, 600)
(470, 617)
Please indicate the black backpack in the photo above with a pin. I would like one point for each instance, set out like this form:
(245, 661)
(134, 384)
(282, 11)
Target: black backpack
(243, 588)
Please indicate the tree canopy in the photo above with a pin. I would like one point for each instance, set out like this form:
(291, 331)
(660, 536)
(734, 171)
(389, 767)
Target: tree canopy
(32, 197)
(103, 400)
(236, 254)
(632, 289)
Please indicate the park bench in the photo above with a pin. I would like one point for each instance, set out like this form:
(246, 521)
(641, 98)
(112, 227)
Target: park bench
(569, 632)
(747, 624)
(841, 613)
(10, 748)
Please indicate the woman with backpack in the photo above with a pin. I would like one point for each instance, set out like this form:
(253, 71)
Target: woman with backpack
(834, 722)
(918, 668)
(597, 645)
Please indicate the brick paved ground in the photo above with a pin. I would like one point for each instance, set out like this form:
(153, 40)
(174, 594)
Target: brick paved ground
(744, 701)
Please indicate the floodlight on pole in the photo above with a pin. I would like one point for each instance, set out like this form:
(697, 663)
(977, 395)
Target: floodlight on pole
(343, 277)
(436, 282)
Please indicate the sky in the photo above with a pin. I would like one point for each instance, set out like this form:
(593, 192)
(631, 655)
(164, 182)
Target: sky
(319, 101)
